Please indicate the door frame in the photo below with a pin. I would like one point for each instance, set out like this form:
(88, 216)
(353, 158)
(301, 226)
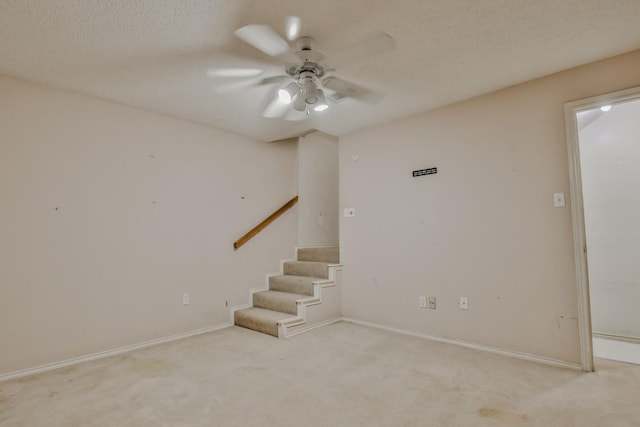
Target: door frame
(577, 212)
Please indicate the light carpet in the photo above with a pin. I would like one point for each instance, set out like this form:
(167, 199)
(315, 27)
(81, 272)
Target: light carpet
(339, 375)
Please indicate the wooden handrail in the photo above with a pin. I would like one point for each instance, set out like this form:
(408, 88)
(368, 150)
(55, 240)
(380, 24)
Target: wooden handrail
(258, 228)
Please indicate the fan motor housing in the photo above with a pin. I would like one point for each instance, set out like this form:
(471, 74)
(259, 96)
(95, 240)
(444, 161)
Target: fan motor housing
(309, 67)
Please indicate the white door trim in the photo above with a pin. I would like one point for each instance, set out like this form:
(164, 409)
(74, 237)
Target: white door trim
(577, 212)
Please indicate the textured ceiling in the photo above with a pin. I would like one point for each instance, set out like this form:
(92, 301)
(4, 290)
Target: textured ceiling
(154, 54)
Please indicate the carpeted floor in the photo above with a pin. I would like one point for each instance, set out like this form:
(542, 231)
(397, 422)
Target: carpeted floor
(339, 375)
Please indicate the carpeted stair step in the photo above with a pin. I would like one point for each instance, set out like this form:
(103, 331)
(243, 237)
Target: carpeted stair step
(306, 268)
(279, 304)
(259, 319)
(295, 284)
(329, 254)
(283, 302)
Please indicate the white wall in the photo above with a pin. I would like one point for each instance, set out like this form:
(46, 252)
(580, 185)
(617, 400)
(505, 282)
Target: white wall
(318, 190)
(610, 163)
(483, 227)
(110, 213)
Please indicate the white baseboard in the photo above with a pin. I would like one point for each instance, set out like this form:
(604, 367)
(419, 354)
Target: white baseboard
(495, 350)
(145, 344)
(627, 351)
(315, 326)
(632, 340)
(109, 353)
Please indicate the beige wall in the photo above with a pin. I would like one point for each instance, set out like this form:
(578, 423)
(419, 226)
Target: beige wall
(610, 165)
(110, 213)
(483, 227)
(318, 190)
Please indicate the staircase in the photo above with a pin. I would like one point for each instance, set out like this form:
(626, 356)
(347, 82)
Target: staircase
(305, 294)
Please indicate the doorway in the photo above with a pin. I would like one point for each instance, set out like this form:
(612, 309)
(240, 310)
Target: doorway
(603, 137)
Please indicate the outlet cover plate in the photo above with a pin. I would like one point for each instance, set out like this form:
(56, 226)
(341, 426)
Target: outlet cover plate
(422, 302)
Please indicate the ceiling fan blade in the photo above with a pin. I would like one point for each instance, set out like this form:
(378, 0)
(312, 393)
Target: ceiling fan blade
(237, 84)
(293, 27)
(276, 109)
(296, 116)
(263, 38)
(234, 72)
(375, 44)
(343, 89)
(274, 79)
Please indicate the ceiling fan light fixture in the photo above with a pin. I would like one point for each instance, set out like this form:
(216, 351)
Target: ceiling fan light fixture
(310, 90)
(321, 105)
(299, 104)
(287, 93)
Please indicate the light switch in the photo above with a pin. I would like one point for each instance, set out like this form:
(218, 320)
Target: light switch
(558, 200)
(349, 212)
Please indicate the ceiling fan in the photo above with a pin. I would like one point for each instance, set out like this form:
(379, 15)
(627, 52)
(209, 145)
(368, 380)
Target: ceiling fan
(306, 85)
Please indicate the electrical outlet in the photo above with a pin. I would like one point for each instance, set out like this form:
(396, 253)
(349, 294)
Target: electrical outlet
(558, 200)
(185, 299)
(463, 303)
(422, 301)
(432, 303)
